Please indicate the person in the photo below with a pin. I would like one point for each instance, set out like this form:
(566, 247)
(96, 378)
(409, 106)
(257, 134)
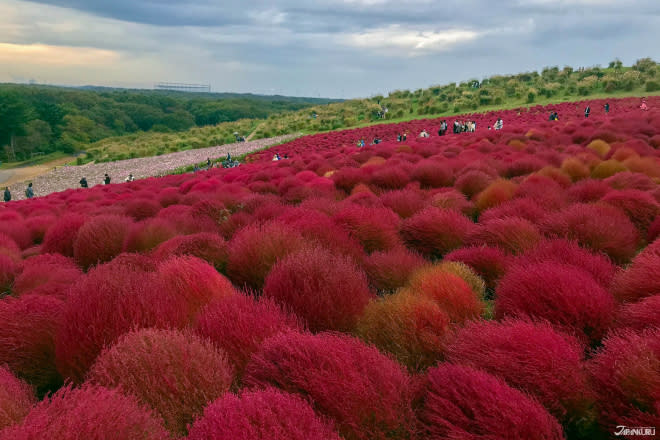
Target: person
(587, 111)
(195, 168)
(376, 141)
(130, 178)
(474, 126)
(228, 157)
(607, 107)
(208, 162)
(405, 136)
(286, 156)
(644, 106)
(83, 183)
(7, 194)
(398, 137)
(275, 158)
(29, 192)
(424, 134)
(106, 180)
(499, 124)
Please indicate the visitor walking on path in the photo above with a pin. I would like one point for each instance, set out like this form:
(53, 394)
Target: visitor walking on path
(29, 192)
(106, 179)
(83, 182)
(7, 194)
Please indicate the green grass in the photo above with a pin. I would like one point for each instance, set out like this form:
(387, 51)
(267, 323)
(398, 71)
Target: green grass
(40, 160)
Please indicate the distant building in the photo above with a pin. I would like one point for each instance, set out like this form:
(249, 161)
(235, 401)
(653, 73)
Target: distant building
(180, 87)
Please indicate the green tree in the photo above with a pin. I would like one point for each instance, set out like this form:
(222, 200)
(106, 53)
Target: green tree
(14, 114)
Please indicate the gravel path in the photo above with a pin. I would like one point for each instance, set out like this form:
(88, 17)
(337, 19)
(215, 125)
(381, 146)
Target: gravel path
(67, 177)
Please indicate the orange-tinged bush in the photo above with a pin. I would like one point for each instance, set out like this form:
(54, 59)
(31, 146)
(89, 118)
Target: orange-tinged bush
(89, 412)
(16, 399)
(256, 248)
(645, 165)
(27, 340)
(238, 324)
(600, 147)
(575, 168)
(328, 291)
(608, 168)
(452, 199)
(626, 375)
(433, 232)
(458, 402)
(495, 194)
(366, 393)
(449, 291)
(412, 328)
(100, 239)
(174, 373)
(490, 263)
(465, 272)
(262, 414)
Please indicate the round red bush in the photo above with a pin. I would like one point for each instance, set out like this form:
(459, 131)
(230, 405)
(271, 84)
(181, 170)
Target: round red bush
(512, 234)
(564, 295)
(639, 280)
(389, 270)
(100, 239)
(434, 232)
(89, 412)
(62, 235)
(405, 202)
(38, 225)
(626, 376)
(8, 270)
(328, 291)
(17, 231)
(459, 403)
(108, 302)
(207, 246)
(146, 235)
(602, 228)
(256, 248)
(47, 274)
(639, 206)
(238, 324)
(654, 230)
(366, 393)
(193, 281)
(432, 174)
(16, 399)
(375, 228)
(142, 208)
(569, 252)
(473, 182)
(174, 373)
(27, 340)
(640, 315)
(521, 208)
(262, 414)
(490, 263)
(533, 357)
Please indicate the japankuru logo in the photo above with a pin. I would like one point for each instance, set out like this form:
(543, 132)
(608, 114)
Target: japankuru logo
(641, 431)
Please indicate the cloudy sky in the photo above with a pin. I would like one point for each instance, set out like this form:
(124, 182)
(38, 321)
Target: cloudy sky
(330, 48)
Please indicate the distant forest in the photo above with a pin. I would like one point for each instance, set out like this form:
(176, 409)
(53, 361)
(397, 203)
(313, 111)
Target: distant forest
(46, 119)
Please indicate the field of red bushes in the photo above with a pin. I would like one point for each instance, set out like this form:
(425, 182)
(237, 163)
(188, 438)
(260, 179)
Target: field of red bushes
(489, 285)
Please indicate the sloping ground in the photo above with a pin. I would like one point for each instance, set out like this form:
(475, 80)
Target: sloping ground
(23, 173)
(67, 177)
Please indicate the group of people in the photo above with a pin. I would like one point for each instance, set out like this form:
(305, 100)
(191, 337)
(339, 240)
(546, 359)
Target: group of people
(29, 193)
(554, 116)
(464, 127)
(277, 157)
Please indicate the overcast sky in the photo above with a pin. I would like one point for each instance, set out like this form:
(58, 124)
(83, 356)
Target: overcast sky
(329, 48)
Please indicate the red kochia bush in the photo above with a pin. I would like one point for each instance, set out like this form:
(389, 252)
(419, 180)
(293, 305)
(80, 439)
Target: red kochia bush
(111, 300)
(375, 228)
(432, 173)
(490, 263)
(602, 228)
(654, 230)
(238, 324)
(8, 270)
(262, 414)
(16, 399)
(387, 271)
(328, 291)
(366, 393)
(405, 202)
(433, 232)
(38, 225)
(639, 206)
(512, 234)
(564, 295)
(569, 252)
(148, 234)
(462, 403)
(100, 239)
(174, 373)
(533, 357)
(17, 231)
(27, 340)
(254, 249)
(193, 281)
(639, 280)
(640, 315)
(626, 376)
(62, 235)
(208, 246)
(86, 413)
(142, 208)
(47, 274)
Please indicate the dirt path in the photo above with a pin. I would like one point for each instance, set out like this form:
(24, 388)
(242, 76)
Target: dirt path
(66, 177)
(12, 176)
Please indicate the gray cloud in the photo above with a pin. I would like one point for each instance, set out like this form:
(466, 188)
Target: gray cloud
(327, 47)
